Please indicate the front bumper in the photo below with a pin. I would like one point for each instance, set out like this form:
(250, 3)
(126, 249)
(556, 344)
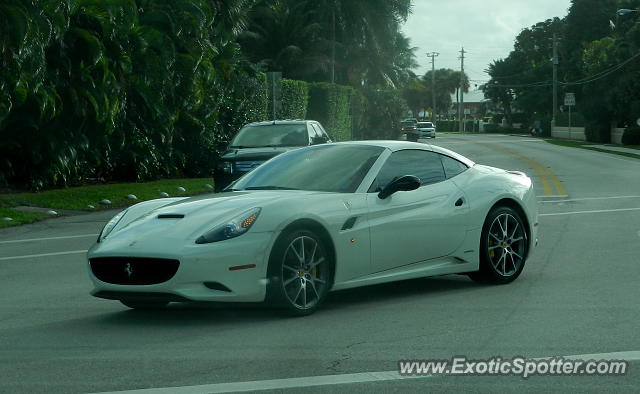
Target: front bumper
(203, 274)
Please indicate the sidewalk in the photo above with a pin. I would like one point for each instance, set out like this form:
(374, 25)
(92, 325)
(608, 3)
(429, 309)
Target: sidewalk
(615, 148)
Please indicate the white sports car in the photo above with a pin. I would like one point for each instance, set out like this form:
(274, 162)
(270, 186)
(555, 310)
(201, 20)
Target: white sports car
(322, 218)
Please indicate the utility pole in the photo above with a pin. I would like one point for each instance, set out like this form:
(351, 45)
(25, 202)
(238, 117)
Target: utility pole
(461, 102)
(433, 56)
(555, 79)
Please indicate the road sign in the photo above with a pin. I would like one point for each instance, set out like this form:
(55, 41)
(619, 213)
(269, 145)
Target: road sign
(467, 111)
(570, 99)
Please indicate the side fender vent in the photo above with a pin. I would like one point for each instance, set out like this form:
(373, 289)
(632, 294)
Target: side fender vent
(348, 225)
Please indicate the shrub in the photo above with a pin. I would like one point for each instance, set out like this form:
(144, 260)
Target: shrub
(577, 120)
(598, 131)
(385, 108)
(329, 105)
(631, 136)
(295, 96)
(446, 125)
(492, 128)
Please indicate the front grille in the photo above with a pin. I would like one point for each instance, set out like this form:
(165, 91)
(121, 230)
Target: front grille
(133, 270)
(246, 166)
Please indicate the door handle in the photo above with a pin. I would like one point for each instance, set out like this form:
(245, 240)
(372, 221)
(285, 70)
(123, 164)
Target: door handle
(459, 202)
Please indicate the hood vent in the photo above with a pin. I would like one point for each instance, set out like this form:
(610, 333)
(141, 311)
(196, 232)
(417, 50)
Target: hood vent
(171, 216)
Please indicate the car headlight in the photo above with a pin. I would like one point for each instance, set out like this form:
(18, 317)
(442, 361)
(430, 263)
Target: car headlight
(110, 226)
(234, 228)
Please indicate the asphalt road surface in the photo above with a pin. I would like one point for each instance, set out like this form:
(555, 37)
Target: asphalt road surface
(578, 295)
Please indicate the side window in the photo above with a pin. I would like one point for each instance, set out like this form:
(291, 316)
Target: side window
(424, 164)
(452, 167)
(318, 135)
(322, 131)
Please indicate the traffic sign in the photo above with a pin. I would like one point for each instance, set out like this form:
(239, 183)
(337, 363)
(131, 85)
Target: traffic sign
(570, 99)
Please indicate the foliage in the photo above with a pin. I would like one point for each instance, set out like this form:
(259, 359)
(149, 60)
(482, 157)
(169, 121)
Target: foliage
(631, 136)
(577, 120)
(329, 104)
(295, 96)
(598, 131)
(301, 38)
(418, 92)
(385, 109)
(597, 61)
(120, 89)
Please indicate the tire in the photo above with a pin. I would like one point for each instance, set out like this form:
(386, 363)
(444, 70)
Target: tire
(502, 253)
(144, 305)
(300, 272)
(412, 138)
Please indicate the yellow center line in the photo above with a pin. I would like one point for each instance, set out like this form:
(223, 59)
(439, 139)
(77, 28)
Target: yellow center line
(547, 177)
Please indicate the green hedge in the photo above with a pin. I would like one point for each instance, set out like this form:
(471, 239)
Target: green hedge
(295, 97)
(359, 120)
(447, 125)
(631, 136)
(598, 132)
(329, 104)
(577, 120)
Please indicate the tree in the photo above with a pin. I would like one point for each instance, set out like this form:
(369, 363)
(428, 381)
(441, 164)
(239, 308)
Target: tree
(302, 38)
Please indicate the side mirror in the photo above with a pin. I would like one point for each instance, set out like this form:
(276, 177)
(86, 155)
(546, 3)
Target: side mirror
(403, 183)
(318, 140)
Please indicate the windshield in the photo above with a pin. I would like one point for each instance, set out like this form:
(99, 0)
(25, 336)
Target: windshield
(425, 124)
(328, 168)
(408, 124)
(255, 136)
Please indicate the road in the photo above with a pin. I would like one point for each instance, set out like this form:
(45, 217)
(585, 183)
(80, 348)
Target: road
(578, 295)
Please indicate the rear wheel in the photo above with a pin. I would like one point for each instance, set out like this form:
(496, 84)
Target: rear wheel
(503, 247)
(144, 305)
(300, 272)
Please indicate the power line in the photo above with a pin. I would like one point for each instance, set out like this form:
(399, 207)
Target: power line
(583, 81)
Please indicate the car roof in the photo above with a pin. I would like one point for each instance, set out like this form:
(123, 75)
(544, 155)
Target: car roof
(281, 122)
(395, 146)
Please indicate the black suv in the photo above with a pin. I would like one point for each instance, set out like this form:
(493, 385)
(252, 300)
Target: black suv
(258, 142)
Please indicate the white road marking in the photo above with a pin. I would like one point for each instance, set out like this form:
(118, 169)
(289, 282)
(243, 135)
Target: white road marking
(552, 197)
(594, 211)
(589, 198)
(327, 380)
(42, 255)
(48, 238)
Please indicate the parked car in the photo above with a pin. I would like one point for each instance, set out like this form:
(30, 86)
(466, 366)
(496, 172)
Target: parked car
(258, 142)
(317, 219)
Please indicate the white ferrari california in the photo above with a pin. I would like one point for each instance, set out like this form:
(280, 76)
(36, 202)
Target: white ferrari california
(322, 218)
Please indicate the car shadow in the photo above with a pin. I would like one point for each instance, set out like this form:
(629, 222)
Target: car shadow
(181, 314)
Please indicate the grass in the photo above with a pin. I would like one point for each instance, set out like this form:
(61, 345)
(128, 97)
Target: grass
(78, 198)
(584, 145)
(18, 217)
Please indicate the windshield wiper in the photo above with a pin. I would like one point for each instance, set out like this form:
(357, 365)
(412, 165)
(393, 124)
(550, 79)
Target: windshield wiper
(270, 188)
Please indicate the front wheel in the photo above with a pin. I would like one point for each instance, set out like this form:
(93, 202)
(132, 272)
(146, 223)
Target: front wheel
(300, 272)
(503, 247)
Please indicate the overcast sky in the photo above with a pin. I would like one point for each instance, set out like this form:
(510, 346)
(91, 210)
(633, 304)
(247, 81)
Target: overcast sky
(486, 29)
